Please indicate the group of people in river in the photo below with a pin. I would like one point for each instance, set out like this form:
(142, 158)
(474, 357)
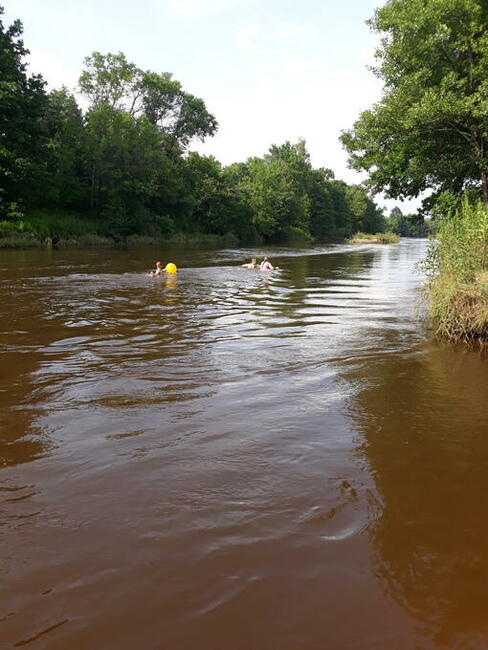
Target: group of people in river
(265, 265)
(171, 268)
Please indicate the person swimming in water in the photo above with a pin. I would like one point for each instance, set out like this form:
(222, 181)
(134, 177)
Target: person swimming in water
(170, 268)
(253, 264)
(158, 271)
(266, 265)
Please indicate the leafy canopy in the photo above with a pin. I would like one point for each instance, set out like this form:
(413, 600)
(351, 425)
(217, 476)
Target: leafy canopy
(111, 80)
(430, 129)
(22, 104)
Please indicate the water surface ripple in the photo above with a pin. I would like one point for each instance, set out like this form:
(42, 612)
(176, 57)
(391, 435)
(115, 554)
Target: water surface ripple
(235, 459)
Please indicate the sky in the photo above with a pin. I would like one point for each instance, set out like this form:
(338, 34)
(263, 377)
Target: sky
(269, 70)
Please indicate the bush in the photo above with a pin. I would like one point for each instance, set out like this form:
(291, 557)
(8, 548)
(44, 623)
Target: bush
(378, 238)
(293, 236)
(13, 235)
(387, 238)
(58, 224)
(458, 265)
(10, 227)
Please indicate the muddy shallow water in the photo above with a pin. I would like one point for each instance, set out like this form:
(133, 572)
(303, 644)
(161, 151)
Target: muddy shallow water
(233, 459)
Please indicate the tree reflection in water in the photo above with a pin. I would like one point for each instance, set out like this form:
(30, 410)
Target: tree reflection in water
(424, 418)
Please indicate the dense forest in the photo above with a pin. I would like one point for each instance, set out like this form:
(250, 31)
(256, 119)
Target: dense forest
(123, 166)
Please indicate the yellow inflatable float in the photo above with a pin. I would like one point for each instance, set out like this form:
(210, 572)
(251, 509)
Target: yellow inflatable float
(170, 268)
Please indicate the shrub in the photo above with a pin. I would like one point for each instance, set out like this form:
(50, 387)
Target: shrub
(293, 236)
(379, 237)
(458, 265)
(387, 238)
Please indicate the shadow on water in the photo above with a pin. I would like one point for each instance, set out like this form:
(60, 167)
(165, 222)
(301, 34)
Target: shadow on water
(423, 422)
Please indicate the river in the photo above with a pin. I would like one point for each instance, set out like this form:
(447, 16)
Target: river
(229, 459)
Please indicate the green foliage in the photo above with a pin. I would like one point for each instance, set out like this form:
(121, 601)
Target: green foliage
(127, 164)
(124, 168)
(64, 178)
(407, 225)
(387, 237)
(270, 191)
(430, 129)
(22, 105)
(458, 265)
(377, 238)
(293, 236)
(218, 206)
(283, 191)
(463, 243)
(109, 80)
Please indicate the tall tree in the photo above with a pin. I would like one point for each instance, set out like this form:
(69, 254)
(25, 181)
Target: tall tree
(111, 80)
(65, 182)
(322, 217)
(22, 105)
(128, 166)
(218, 207)
(275, 198)
(430, 129)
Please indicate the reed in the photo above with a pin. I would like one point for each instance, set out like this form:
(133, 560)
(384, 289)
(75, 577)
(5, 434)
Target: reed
(458, 266)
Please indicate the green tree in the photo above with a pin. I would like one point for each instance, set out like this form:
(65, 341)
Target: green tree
(430, 129)
(65, 182)
(111, 80)
(407, 225)
(271, 191)
(217, 205)
(322, 216)
(22, 105)
(128, 167)
(342, 215)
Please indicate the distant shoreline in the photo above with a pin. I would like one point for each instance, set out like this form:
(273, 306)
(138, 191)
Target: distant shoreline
(378, 238)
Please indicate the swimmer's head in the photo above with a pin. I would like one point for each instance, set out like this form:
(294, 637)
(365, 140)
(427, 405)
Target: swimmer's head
(253, 261)
(158, 264)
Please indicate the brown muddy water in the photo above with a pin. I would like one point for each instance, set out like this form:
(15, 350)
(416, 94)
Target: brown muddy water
(228, 459)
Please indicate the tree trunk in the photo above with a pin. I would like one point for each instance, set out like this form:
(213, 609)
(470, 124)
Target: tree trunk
(92, 189)
(484, 184)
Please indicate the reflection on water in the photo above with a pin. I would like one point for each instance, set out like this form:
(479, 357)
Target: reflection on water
(228, 458)
(426, 446)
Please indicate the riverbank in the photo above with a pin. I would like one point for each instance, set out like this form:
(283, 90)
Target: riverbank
(27, 240)
(60, 229)
(378, 238)
(66, 230)
(458, 289)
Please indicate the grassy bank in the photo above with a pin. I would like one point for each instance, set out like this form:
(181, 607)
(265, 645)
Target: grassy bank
(378, 238)
(62, 229)
(458, 289)
(20, 240)
(66, 230)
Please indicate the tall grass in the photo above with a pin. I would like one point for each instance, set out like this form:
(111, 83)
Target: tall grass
(458, 265)
(70, 230)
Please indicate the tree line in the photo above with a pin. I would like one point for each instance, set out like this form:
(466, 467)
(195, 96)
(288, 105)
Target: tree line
(125, 164)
